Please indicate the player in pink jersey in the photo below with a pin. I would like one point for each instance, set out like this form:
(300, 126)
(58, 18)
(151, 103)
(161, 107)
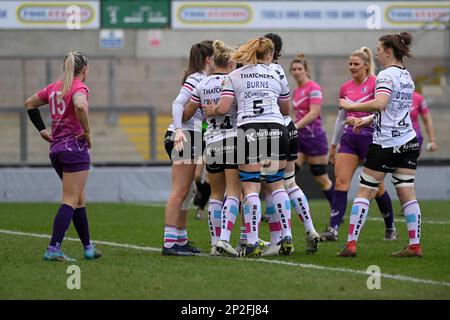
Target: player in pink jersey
(70, 142)
(312, 140)
(353, 145)
(420, 107)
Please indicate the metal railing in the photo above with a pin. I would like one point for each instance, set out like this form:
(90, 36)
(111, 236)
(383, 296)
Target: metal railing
(111, 118)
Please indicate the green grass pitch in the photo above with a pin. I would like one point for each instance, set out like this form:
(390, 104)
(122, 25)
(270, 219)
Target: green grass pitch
(133, 273)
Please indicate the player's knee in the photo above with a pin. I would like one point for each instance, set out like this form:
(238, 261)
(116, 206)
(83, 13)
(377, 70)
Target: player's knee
(71, 201)
(401, 180)
(342, 184)
(318, 169)
(289, 179)
(369, 182)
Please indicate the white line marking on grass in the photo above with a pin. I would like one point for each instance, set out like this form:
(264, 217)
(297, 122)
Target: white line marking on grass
(260, 260)
(423, 221)
(106, 243)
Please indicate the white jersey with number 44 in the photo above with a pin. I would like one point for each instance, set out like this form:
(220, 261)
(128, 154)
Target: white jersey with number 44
(207, 91)
(393, 125)
(256, 89)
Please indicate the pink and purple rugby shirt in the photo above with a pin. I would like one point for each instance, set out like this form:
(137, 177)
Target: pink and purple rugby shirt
(357, 93)
(64, 121)
(419, 107)
(304, 96)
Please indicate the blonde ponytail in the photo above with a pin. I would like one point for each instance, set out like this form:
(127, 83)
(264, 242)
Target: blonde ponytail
(370, 62)
(253, 51)
(69, 70)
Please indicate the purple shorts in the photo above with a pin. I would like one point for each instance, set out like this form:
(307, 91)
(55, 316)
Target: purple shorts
(69, 155)
(357, 144)
(314, 145)
(420, 139)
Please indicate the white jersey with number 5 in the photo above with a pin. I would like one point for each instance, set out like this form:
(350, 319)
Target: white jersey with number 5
(256, 89)
(393, 125)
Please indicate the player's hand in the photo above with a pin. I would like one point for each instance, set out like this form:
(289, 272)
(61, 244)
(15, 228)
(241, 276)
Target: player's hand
(356, 123)
(85, 136)
(344, 104)
(46, 135)
(298, 125)
(332, 158)
(431, 146)
(351, 121)
(210, 109)
(179, 140)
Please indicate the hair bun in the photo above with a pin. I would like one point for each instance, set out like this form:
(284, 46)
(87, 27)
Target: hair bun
(219, 45)
(301, 56)
(406, 38)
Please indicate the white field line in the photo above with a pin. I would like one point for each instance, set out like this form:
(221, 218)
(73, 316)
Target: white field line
(260, 260)
(402, 218)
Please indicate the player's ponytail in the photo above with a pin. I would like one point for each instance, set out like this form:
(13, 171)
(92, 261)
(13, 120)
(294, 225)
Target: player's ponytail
(74, 62)
(199, 52)
(68, 74)
(222, 54)
(369, 60)
(366, 56)
(253, 51)
(400, 43)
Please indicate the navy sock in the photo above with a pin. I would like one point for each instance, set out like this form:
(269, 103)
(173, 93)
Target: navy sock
(338, 207)
(329, 194)
(385, 206)
(60, 225)
(81, 224)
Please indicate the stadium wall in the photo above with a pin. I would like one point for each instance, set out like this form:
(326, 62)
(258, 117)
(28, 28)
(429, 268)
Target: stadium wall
(152, 184)
(176, 44)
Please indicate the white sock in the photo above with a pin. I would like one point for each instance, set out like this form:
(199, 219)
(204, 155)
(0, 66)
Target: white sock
(272, 220)
(230, 211)
(413, 218)
(214, 215)
(301, 206)
(360, 210)
(282, 206)
(252, 215)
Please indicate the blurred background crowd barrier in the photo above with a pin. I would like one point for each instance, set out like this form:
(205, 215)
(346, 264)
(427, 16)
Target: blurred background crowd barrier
(138, 51)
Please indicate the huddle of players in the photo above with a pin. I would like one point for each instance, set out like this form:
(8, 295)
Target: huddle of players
(251, 145)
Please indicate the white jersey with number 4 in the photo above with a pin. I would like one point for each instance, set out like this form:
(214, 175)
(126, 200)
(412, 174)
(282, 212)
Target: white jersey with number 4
(393, 125)
(256, 89)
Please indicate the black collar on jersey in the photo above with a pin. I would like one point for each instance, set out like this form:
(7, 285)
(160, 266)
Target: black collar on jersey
(396, 66)
(219, 74)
